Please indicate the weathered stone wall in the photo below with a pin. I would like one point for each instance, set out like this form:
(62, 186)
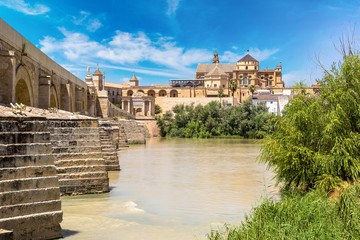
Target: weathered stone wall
(167, 104)
(78, 156)
(134, 131)
(152, 127)
(29, 188)
(109, 137)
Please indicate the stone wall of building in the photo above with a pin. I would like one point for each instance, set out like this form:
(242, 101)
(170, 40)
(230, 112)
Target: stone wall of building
(167, 104)
(134, 131)
(152, 127)
(29, 188)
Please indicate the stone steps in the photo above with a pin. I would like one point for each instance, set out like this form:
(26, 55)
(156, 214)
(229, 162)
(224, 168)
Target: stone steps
(29, 187)
(78, 157)
(25, 149)
(80, 169)
(80, 162)
(24, 137)
(29, 195)
(107, 145)
(27, 172)
(28, 183)
(26, 160)
(74, 143)
(74, 176)
(74, 149)
(29, 208)
(77, 137)
(43, 225)
(22, 126)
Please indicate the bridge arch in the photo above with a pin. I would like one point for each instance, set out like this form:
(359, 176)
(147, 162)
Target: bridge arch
(23, 87)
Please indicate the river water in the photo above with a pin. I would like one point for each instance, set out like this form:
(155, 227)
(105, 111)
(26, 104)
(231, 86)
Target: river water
(172, 189)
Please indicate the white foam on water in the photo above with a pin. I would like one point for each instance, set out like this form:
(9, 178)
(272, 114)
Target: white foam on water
(130, 206)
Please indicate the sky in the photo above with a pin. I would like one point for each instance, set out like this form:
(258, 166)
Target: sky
(161, 40)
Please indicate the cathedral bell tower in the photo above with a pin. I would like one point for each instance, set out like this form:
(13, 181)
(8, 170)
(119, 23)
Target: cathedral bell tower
(216, 57)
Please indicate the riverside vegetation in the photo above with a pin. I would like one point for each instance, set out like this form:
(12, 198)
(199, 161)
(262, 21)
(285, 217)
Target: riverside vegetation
(314, 152)
(216, 119)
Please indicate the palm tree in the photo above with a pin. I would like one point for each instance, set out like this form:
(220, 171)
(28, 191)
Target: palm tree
(252, 90)
(220, 94)
(233, 87)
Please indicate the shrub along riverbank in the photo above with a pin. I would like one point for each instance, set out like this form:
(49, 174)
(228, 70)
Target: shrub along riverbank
(314, 152)
(215, 119)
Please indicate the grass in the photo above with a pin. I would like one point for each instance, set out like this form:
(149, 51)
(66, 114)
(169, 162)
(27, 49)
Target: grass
(296, 216)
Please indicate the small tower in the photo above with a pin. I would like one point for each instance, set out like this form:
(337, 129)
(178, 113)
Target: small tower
(98, 79)
(88, 77)
(247, 63)
(134, 81)
(216, 57)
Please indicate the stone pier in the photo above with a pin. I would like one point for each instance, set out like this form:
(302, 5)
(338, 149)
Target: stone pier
(30, 204)
(78, 156)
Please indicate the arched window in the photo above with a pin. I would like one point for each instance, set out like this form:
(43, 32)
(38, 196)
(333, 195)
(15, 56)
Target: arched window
(245, 81)
(246, 68)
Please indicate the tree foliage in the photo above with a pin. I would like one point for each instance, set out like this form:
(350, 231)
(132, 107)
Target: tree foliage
(214, 119)
(316, 144)
(157, 109)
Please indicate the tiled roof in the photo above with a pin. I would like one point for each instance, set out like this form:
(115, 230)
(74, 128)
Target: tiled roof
(207, 67)
(216, 71)
(247, 58)
(133, 77)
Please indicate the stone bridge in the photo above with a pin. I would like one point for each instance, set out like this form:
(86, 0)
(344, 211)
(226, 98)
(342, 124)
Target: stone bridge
(30, 77)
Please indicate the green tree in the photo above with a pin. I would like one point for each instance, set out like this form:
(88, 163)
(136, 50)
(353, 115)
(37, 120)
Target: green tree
(220, 94)
(316, 144)
(233, 87)
(252, 89)
(157, 109)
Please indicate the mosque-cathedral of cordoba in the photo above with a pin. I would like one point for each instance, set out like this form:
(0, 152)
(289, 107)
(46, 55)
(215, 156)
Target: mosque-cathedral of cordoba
(209, 79)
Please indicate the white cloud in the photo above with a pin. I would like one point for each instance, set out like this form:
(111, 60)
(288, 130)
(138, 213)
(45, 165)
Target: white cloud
(172, 7)
(127, 48)
(92, 24)
(124, 79)
(73, 46)
(81, 19)
(262, 55)
(229, 56)
(258, 54)
(307, 76)
(26, 8)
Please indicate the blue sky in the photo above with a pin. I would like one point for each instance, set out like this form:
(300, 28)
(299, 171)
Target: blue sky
(165, 39)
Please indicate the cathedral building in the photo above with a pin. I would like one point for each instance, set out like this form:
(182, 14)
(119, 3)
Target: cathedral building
(209, 79)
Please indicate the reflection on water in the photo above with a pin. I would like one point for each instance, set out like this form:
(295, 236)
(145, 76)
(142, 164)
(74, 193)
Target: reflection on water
(172, 189)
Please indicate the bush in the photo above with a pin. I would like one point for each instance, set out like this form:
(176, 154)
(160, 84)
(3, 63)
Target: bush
(296, 216)
(214, 119)
(316, 144)
(157, 109)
